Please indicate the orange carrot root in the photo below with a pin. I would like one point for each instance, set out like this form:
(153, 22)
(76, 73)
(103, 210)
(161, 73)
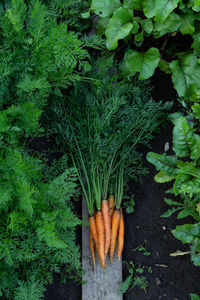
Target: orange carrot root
(106, 219)
(93, 230)
(120, 235)
(114, 231)
(92, 250)
(100, 234)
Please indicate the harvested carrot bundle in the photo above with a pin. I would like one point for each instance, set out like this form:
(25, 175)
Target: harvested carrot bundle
(106, 219)
(114, 231)
(120, 235)
(100, 235)
(92, 250)
(111, 203)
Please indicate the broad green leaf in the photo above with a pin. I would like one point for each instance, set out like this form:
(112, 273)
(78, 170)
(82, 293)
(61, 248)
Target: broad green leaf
(185, 141)
(187, 23)
(134, 4)
(135, 27)
(162, 177)
(162, 162)
(194, 297)
(124, 286)
(196, 110)
(190, 187)
(102, 25)
(105, 8)
(144, 63)
(170, 212)
(195, 257)
(85, 15)
(164, 66)
(118, 27)
(139, 36)
(149, 8)
(186, 76)
(192, 171)
(195, 249)
(184, 213)
(147, 26)
(175, 116)
(196, 6)
(171, 24)
(129, 209)
(196, 44)
(187, 233)
(171, 202)
(180, 179)
(164, 8)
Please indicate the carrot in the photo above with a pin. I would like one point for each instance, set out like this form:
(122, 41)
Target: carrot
(106, 219)
(92, 249)
(120, 235)
(111, 203)
(100, 235)
(93, 229)
(115, 227)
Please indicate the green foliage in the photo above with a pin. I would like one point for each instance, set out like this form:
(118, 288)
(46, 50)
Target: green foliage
(194, 297)
(37, 225)
(129, 203)
(185, 173)
(104, 126)
(144, 63)
(133, 279)
(186, 176)
(40, 58)
(136, 21)
(119, 27)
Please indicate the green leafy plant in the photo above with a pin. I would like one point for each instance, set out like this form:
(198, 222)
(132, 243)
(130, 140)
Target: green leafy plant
(134, 279)
(194, 297)
(185, 174)
(161, 22)
(143, 248)
(40, 58)
(129, 204)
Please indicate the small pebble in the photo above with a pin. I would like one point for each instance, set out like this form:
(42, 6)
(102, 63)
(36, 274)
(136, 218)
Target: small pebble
(166, 148)
(164, 295)
(137, 227)
(157, 280)
(157, 254)
(164, 228)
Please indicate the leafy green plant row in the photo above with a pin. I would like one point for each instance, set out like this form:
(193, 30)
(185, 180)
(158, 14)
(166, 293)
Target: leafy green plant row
(184, 169)
(40, 58)
(148, 29)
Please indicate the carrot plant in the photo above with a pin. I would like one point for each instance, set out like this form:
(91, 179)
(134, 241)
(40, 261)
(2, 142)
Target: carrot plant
(41, 56)
(103, 125)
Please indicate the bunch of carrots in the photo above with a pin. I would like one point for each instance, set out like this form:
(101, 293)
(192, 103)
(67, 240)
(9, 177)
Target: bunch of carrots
(100, 128)
(105, 224)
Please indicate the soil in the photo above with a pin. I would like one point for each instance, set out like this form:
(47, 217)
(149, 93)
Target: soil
(172, 278)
